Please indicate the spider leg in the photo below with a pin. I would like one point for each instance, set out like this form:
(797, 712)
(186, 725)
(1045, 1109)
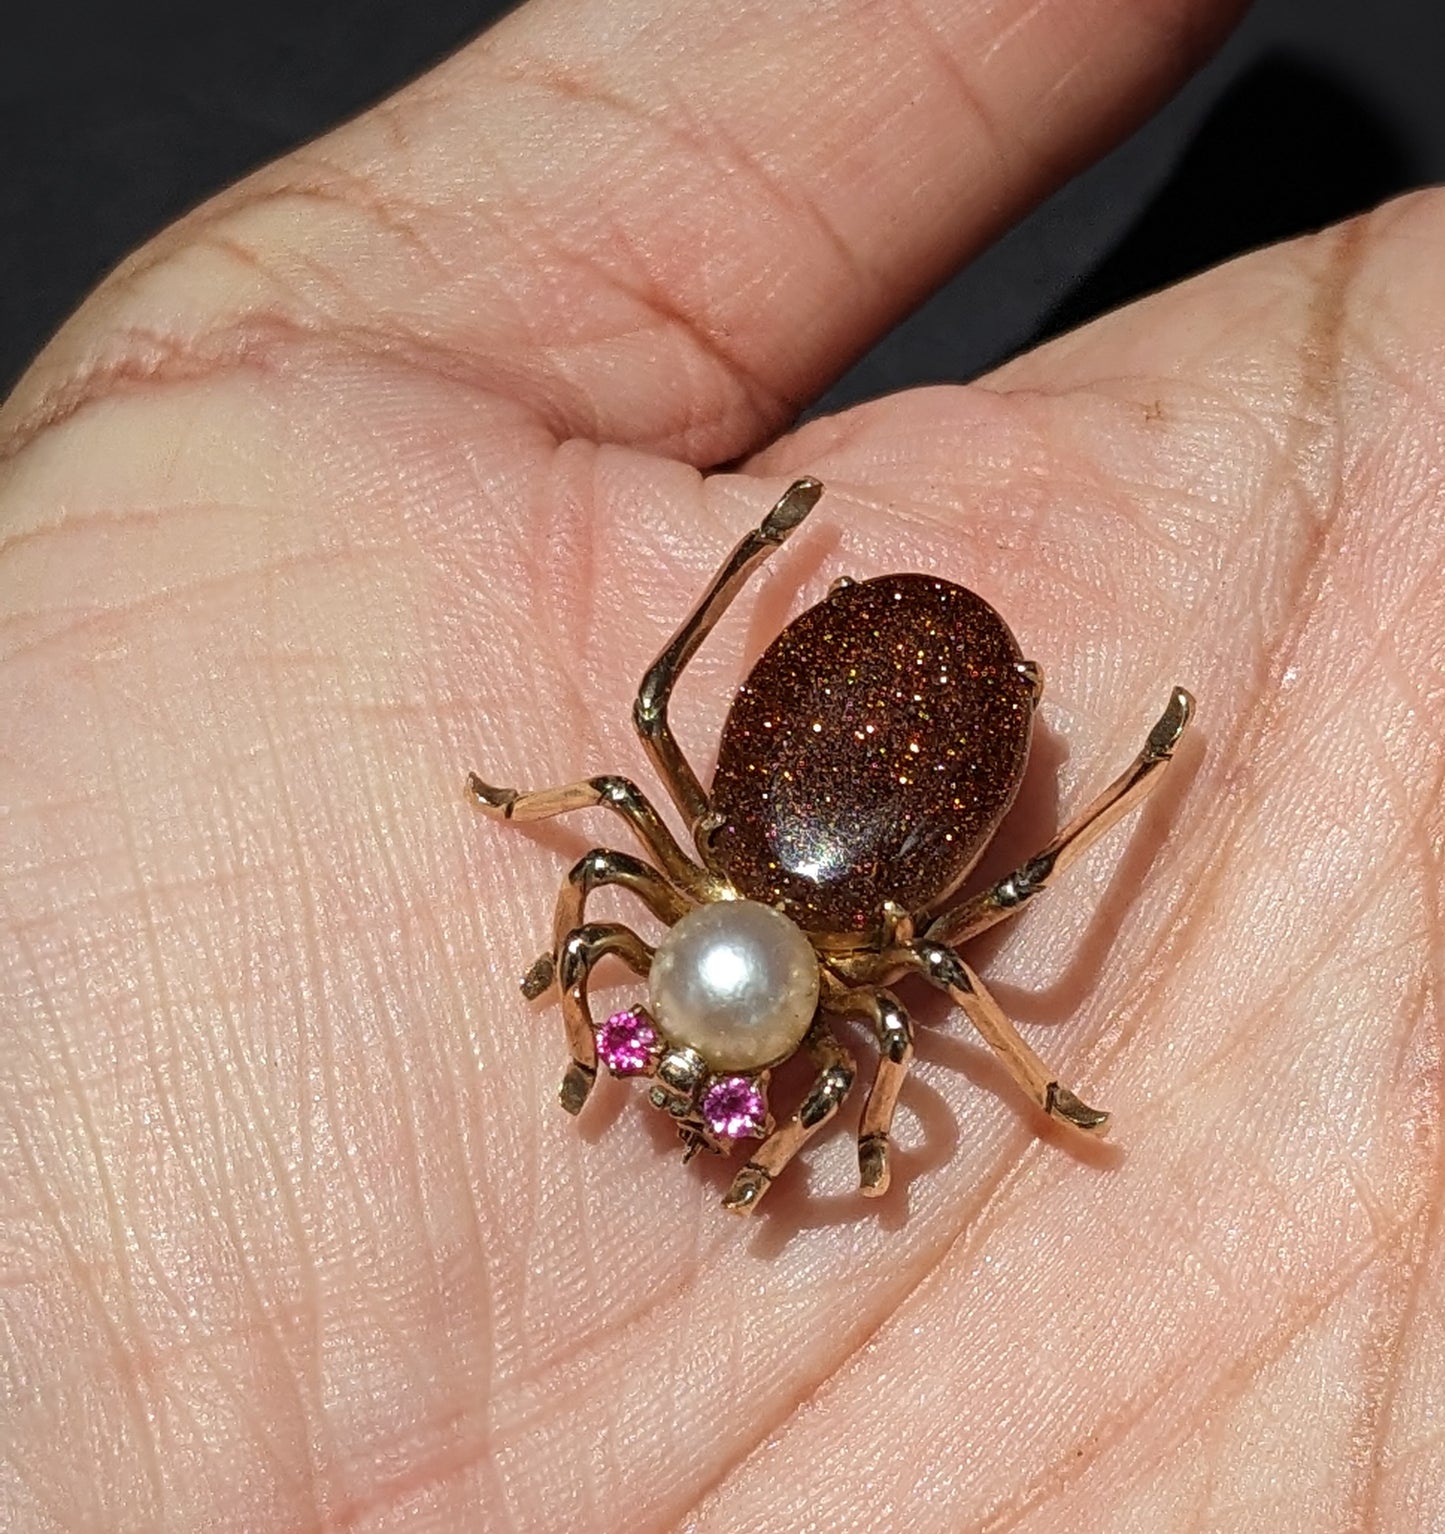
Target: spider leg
(943, 968)
(824, 1098)
(894, 1029)
(576, 955)
(591, 871)
(1014, 891)
(620, 795)
(649, 712)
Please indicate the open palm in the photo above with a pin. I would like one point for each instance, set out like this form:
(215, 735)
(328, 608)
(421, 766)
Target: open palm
(387, 464)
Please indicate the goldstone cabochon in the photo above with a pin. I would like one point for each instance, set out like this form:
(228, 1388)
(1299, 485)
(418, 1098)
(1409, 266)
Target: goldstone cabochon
(872, 752)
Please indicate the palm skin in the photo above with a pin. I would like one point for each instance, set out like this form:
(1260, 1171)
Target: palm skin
(387, 465)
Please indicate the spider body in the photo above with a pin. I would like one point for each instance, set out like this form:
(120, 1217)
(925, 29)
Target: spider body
(865, 763)
(871, 753)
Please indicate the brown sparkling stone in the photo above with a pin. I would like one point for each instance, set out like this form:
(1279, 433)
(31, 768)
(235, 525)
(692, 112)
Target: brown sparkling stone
(872, 752)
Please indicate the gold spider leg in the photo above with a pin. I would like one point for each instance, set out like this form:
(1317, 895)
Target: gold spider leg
(824, 1098)
(1013, 892)
(576, 955)
(620, 795)
(602, 866)
(894, 1029)
(649, 712)
(949, 973)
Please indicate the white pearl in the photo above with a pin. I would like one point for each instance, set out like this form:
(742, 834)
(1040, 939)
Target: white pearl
(736, 981)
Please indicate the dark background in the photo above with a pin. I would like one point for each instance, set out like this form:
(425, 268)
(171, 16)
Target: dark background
(116, 117)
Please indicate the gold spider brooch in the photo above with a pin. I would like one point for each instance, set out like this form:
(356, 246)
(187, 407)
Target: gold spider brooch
(864, 765)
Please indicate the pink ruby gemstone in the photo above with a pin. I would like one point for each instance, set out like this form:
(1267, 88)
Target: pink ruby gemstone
(733, 1107)
(625, 1042)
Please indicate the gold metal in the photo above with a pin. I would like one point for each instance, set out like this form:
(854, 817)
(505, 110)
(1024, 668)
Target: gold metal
(538, 980)
(649, 712)
(943, 968)
(855, 969)
(894, 1030)
(576, 955)
(1034, 674)
(622, 797)
(1015, 890)
(835, 1079)
(680, 1074)
(592, 871)
(897, 926)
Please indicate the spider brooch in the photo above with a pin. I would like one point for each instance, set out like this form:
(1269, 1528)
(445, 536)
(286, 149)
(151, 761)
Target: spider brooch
(864, 765)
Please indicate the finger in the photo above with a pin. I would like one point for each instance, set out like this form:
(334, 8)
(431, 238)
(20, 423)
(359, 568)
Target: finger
(673, 226)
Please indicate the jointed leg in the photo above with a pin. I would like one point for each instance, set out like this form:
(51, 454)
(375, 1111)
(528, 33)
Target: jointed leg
(823, 1100)
(576, 954)
(895, 1054)
(591, 871)
(620, 795)
(649, 712)
(1011, 893)
(949, 973)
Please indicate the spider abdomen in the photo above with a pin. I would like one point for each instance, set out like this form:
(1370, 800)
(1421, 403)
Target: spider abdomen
(871, 752)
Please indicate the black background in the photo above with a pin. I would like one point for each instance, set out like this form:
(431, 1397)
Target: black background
(115, 118)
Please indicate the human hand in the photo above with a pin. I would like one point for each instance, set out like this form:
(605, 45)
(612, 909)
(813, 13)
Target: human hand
(385, 465)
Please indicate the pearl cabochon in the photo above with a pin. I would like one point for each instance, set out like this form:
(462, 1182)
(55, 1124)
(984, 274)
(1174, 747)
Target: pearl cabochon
(736, 981)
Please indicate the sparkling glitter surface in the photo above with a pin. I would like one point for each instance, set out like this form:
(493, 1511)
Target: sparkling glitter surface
(872, 752)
